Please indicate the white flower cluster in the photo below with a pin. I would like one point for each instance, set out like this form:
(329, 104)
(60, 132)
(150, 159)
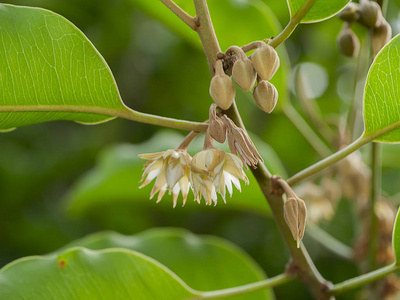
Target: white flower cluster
(209, 172)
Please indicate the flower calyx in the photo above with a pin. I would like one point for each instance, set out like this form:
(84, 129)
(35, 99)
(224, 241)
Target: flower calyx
(216, 128)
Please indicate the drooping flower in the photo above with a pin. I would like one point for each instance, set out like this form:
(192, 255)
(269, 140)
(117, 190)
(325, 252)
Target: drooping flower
(171, 169)
(213, 170)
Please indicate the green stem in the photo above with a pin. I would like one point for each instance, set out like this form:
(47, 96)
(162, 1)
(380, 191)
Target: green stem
(357, 144)
(306, 130)
(291, 26)
(328, 241)
(180, 13)
(126, 113)
(375, 190)
(245, 289)
(363, 279)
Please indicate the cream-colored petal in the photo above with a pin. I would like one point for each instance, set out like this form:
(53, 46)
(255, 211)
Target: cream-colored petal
(150, 156)
(174, 173)
(184, 185)
(228, 182)
(161, 193)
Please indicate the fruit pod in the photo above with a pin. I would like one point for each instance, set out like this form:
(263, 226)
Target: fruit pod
(381, 35)
(370, 14)
(265, 61)
(348, 43)
(222, 89)
(244, 74)
(265, 95)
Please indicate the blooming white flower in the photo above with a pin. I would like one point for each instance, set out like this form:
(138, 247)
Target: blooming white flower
(212, 170)
(171, 168)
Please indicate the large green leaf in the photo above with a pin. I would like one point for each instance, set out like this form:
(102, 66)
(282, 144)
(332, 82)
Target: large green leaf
(204, 263)
(236, 22)
(321, 10)
(83, 274)
(50, 71)
(116, 176)
(382, 95)
(396, 238)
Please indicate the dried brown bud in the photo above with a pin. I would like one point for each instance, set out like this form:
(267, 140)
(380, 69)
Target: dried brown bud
(222, 90)
(350, 13)
(295, 213)
(216, 128)
(244, 74)
(381, 35)
(370, 14)
(266, 61)
(348, 43)
(266, 96)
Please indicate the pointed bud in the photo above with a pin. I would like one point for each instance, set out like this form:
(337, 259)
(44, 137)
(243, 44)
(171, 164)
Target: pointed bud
(381, 35)
(266, 96)
(348, 43)
(217, 130)
(350, 13)
(370, 14)
(222, 90)
(244, 74)
(266, 61)
(295, 213)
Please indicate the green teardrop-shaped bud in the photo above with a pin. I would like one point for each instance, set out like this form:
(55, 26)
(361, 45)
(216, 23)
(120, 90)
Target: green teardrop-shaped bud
(381, 35)
(350, 13)
(348, 43)
(370, 14)
(265, 61)
(244, 74)
(266, 96)
(222, 90)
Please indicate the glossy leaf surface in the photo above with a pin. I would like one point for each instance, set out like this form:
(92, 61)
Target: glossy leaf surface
(84, 274)
(214, 263)
(51, 71)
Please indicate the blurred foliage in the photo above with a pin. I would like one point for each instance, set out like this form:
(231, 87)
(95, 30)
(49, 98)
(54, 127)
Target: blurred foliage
(159, 71)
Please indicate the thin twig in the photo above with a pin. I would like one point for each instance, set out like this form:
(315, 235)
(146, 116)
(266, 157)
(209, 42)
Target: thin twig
(244, 289)
(180, 13)
(291, 26)
(364, 279)
(125, 113)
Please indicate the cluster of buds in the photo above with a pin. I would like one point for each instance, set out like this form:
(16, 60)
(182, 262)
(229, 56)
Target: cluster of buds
(260, 66)
(369, 14)
(208, 172)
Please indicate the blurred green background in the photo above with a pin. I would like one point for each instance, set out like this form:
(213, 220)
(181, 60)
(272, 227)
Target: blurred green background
(45, 169)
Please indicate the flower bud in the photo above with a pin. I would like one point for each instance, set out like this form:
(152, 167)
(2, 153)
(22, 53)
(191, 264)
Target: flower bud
(217, 130)
(381, 35)
(244, 74)
(266, 96)
(266, 61)
(295, 213)
(370, 14)
(350, 13)
(348, 43)
(222, 90)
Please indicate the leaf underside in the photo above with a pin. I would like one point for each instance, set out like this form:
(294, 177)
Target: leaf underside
(382, 94)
